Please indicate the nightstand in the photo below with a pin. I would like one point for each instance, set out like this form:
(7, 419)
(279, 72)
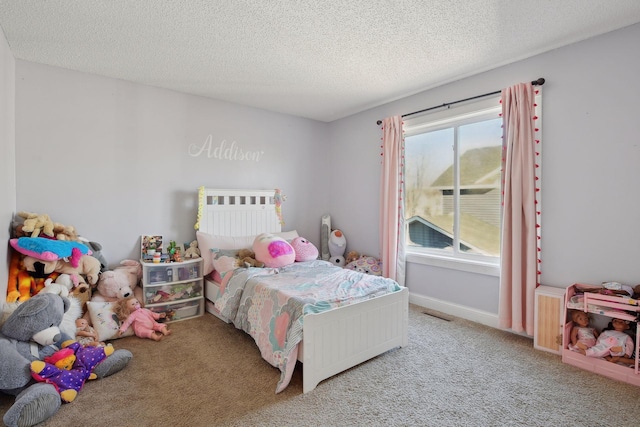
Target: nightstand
(174, 288)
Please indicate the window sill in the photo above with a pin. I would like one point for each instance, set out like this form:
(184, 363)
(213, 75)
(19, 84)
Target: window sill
(470, 266)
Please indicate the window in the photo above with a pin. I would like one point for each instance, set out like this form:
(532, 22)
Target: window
(453, 183)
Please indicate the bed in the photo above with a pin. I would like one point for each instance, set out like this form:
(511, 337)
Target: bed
(327, 338)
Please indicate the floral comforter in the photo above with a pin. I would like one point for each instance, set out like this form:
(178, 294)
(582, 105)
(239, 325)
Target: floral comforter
(270, 303)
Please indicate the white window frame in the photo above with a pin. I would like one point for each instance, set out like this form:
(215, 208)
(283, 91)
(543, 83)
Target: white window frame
(485, 109)
(444, 118)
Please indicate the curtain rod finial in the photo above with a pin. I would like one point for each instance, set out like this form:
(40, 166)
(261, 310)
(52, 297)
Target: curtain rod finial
(379, 122)
(538, 82)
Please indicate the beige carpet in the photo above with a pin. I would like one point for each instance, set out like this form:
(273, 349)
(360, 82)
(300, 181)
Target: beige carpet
(455, 373)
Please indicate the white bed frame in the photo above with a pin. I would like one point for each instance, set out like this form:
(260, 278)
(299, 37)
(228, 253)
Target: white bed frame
(333, 341)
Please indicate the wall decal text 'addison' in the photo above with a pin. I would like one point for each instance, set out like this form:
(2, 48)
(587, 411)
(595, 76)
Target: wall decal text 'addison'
(224, 151)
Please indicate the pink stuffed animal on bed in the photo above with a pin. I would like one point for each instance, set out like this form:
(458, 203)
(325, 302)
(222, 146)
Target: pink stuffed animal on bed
(305, 250)
(274, 251)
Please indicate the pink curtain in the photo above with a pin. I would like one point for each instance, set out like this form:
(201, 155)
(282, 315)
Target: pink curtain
(520, 228)
(391, 203)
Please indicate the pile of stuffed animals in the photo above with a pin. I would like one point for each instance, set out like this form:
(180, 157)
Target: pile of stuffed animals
(46, 253)
(29, 340)
(53, 269)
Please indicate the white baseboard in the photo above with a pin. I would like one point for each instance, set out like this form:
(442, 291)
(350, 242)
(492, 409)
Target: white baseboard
(472, 314)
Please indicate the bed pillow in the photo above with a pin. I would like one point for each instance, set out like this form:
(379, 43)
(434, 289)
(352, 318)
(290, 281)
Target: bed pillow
(274, 251)
(366, 264)
(104, 320)
(224, 260)
(206, 242)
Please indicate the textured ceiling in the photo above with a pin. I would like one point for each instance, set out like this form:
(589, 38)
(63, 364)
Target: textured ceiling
(320, 59)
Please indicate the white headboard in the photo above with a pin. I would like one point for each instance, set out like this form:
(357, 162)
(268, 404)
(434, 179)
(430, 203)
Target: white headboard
(237, 212)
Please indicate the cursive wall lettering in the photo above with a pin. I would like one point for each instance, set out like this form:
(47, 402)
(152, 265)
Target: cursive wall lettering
(224, 151)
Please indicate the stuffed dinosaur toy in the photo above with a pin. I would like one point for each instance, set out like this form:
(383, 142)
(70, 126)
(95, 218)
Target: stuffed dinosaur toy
(69, 381)
(30, 333)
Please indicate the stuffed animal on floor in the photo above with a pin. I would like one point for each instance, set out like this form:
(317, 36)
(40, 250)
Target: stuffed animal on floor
(27, 277)
(119, 283)
(19, 281)
(32, 333)
(69, 380)
(88, 267)
(96, 249)
(49, 249)
(62, 286)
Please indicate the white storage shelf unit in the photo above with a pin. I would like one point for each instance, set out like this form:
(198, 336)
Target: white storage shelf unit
(613, 307)
(174, 288)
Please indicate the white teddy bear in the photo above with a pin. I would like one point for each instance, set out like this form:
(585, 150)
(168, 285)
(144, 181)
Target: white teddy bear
(62, 286)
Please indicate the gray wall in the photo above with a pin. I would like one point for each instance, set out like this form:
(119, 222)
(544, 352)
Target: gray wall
(7, 154)
(590, 175)
(111, 158)
(117, 159)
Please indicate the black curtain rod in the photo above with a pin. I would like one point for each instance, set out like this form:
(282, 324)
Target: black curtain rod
(538, 82)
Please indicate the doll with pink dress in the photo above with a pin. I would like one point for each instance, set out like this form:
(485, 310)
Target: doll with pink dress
(142, 320)
(583, 336)
(613, 343)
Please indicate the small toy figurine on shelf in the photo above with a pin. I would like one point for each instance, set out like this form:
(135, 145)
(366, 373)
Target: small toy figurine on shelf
(192, 251)
(177, 256)
(142, 320)
(583, 336)
(173, 252)
(86, 335)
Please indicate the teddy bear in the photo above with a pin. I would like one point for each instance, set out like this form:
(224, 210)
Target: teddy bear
(65, 232)
(36, 224)
(69, 380)
(247, 258)
(192, 251)
(63, 284)
(351, 256)
(119, 283)
(31, 332)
